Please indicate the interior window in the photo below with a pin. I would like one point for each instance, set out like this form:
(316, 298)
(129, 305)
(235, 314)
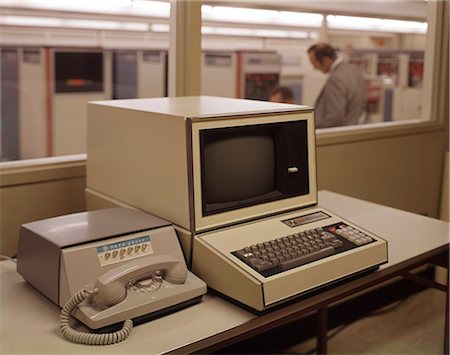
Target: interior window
(246, 52)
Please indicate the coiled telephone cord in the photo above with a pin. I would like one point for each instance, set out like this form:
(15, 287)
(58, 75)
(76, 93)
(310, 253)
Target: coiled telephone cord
(89, 338)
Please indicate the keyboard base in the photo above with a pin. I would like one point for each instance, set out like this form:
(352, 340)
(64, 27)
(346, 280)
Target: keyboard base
(299, 297)
(214, 262)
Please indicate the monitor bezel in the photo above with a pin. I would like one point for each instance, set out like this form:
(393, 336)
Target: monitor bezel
(199, 222)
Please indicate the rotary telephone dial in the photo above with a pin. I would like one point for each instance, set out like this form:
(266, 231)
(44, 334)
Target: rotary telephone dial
(112, 287)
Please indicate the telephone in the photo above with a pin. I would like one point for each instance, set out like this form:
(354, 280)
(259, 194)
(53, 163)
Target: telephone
(105, 267)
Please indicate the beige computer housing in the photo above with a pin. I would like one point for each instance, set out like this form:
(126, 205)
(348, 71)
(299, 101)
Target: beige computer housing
(144, 153)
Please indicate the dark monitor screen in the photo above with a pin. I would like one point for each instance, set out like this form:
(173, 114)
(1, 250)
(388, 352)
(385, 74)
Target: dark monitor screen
(78, 71)
(249, 165)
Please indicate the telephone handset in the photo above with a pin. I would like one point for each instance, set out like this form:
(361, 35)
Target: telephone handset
(110, 289)
(111, 285)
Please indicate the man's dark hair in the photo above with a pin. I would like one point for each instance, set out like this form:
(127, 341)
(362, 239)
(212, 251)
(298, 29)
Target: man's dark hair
(324, 50)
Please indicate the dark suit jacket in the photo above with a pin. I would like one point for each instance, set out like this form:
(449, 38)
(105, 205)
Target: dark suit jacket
(342, 99)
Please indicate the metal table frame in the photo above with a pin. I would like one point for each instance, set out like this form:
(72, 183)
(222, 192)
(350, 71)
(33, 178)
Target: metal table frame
(320, 303)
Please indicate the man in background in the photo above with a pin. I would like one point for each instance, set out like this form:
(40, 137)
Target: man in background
(342, 99)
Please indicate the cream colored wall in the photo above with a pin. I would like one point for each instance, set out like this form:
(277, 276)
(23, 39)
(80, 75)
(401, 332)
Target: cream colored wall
(402, 169)
(36, 189)
(445, 190)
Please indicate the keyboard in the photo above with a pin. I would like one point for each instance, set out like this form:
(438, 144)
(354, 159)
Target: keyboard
(266, 262)
(293, 250)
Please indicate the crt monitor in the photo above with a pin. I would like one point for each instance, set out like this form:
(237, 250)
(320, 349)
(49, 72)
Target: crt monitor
(249, 165)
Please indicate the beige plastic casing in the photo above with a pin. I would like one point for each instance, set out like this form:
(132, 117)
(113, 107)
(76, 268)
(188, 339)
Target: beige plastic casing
(214, 262)
(144, 153)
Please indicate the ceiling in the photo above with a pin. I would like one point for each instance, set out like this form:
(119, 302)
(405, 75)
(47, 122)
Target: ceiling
(406, 9)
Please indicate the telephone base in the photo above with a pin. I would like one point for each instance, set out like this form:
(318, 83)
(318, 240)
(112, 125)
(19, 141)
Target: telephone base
(136, 305)
(151, 316)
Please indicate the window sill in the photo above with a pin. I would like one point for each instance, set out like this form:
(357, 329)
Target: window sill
(372, 131)
(28, 171)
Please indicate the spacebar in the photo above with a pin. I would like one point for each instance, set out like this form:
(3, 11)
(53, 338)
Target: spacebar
(304, 259)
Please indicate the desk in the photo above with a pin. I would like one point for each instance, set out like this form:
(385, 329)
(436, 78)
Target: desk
(30, 322)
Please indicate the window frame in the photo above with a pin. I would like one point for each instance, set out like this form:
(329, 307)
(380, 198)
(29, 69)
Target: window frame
(435, 102)
(435, 89)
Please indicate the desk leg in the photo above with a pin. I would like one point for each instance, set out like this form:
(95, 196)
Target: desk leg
(322, 324)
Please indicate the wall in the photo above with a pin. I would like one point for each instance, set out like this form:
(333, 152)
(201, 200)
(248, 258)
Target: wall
(402, 169)
(36, 189)
(445, 190)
